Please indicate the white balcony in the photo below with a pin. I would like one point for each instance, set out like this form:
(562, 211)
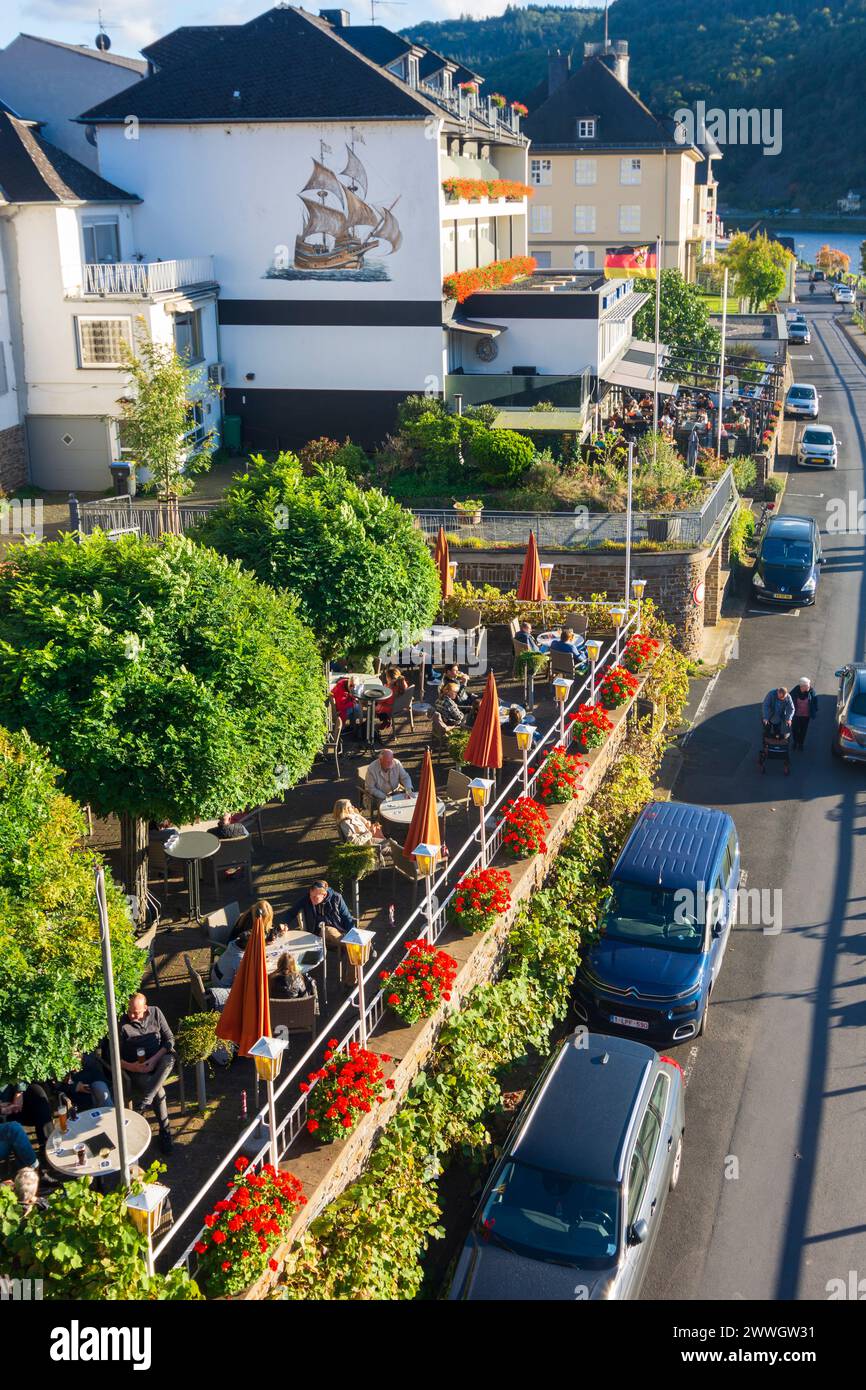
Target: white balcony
(143, 279)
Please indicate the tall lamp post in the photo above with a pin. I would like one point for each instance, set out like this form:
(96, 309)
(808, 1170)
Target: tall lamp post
(637, 587)
(481, 787)
(618, 615)
(268, 1055)
(629, 518)
(561, 687)
(425, 857)
(593, 651)
(145, 1209)
(546, 576)
(359, 944)
(524, 734)
(111, 1011)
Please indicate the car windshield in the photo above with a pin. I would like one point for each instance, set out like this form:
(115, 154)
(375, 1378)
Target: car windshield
(648, 916)
(801, 393)
(778, 551)
(817, 437)
(552, 1216)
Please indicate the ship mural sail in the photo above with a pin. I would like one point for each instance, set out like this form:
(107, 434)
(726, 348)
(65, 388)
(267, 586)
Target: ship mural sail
(338, 234)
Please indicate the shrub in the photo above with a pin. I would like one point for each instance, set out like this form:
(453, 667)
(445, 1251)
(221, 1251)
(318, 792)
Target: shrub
(501, 457)
(742, 530)
(196, 1038)
(457, 740)
(245, 1227)
(344, 1090)
(347, 862)
(745, 473)
(479, 898)
(421, 982)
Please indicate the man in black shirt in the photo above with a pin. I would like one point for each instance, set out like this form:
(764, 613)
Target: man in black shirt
(146, 1059)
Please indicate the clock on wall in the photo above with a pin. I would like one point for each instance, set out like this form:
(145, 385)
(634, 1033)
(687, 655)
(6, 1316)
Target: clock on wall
(487, 349)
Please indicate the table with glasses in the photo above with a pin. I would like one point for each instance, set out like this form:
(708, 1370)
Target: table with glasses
(96, 1130)
(370, 690)
(400, 808)
(295, 943)
(192, 846)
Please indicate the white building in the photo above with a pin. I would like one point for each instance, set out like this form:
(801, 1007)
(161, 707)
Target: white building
(81, 280)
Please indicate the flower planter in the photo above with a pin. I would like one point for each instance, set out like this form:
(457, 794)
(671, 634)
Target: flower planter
(469, 518)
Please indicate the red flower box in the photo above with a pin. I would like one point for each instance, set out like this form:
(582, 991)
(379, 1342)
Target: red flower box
(420, 983)
(464, 283)
(557, 779)
(618, 686)
(592, 724)
(242, 1230)
(526, 824)
(343, 1091)
(479, 899)
(639, 649)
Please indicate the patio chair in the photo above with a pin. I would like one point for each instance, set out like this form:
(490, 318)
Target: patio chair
(254, 818)
(563, 664)
(161, 865)
(403, 705)
(232, 854)
(469, 619)
(439, 733)
(197, 989)
(510, 751)
(334, 736)
(290, 1016)
(577, 622)
(366, 798)
(218, 927)
(456, 796)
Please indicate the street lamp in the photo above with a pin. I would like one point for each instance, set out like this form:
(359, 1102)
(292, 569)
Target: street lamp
(546, 573)
(111, 1014)
(637, 587)
(268, 1056)
(618, 615)
(145, 1209)
(561, 686)
(481, 788)
(452, 567)
(358, 944)
(425, 857)
(593, 651)
(524, 734)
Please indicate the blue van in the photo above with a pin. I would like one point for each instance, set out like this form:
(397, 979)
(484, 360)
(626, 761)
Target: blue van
(665, 925)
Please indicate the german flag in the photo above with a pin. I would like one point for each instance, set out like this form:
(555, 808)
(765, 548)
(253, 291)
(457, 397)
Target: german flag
(623, 261)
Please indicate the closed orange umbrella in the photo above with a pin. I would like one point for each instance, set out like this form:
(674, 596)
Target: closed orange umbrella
(424, 829)
(484, 748)
(531, 587)
(442, 558)
(247, 1013)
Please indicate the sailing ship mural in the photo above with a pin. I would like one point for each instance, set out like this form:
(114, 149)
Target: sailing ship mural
(342, 227)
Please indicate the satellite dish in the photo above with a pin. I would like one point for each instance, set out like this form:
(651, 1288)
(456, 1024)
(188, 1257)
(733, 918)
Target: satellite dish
(102, 41)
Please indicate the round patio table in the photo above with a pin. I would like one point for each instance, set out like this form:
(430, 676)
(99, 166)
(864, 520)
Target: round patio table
(97, 1131)
(432, 642)
(296, 943)
(370, 691)
(400, 808)
(192, 846)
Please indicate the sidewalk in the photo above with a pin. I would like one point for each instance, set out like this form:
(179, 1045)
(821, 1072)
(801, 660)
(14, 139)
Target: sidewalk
(856, 337)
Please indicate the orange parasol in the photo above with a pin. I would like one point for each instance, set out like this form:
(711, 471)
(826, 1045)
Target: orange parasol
(531, 587)
(442, 559)
(484, 748)
(424, 829)
(247, 1014)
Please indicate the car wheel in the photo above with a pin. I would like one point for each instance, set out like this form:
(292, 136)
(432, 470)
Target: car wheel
(678, 1163)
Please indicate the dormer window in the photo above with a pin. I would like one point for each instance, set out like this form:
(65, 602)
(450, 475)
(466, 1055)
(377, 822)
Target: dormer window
(586, 128)
(412, 70)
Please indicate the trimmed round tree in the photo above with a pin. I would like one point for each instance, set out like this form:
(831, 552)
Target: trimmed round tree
(166, 681)
(359, 566)
(51, 997)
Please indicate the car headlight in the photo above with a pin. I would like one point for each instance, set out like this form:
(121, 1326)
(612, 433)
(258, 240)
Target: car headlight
(758, 581)
(810, 584)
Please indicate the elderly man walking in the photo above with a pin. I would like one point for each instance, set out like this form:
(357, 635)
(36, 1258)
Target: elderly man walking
(777, 710)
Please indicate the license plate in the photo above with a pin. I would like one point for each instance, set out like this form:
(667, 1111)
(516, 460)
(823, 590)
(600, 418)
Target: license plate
(629, 1022)
(820, 462)
(784, 597)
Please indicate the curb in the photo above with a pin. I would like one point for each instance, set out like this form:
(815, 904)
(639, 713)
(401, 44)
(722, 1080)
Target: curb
(850, 330)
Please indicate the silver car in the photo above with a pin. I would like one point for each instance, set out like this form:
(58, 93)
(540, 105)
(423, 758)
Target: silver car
(574, 1204)
(817, 447)
(849, 737)
(802, 400)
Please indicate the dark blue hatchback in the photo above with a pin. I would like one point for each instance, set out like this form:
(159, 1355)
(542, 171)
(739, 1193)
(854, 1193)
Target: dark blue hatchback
(665, 928)
(788, 567)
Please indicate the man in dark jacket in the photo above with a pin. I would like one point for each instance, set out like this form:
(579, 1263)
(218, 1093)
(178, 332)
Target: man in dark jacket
(147, 1056)
(805, 709)
(324, 913)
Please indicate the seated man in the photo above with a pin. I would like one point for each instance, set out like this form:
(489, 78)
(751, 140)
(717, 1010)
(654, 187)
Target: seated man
(386, 776)
(568, 642)
(525, 637)
(323, 912)
(14, 1140)
(29, 1105)
(146, 1058)
(229, 828)
(452, 675)
(87, 1084)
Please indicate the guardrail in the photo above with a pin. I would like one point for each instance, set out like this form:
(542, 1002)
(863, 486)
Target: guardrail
(467, 858)
(144, 278)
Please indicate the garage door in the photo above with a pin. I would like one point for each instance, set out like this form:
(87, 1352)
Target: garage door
(69, 453)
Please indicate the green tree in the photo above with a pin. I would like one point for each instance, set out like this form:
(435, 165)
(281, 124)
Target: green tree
(52, 1003)
(502, 457)
(759, 268)
(684, 321)
(353, 557)
(163, 679)
(157, 416)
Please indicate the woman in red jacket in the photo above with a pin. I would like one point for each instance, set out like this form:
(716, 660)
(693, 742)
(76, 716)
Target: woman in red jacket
(348, 706)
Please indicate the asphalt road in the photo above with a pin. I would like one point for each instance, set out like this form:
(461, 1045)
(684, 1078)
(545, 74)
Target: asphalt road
(772, 1199)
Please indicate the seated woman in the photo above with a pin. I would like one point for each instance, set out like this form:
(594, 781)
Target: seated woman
(289, 981)
(353, 826)
(348, 706)
(517, 715)
(398, 685)
(447, 707)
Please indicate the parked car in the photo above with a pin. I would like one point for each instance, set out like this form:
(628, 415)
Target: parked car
(843, 294)
(665, 927)
(788, 567)
(817, 447)
(798, 332)
(802, 400)
(574, 1204)
(849, 736)
(819, 275)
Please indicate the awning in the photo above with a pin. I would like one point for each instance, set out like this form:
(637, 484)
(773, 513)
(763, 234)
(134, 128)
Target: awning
(640, 382)
(477, 328)
(625, 308)
(641, 351)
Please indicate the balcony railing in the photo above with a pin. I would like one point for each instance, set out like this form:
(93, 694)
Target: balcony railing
(141, 279)
(508, 391)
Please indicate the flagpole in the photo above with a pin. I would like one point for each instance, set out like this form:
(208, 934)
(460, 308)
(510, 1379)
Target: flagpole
(658, 345)
(722, 365)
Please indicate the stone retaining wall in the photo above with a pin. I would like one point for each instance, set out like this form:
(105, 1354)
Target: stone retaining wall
(13, 459)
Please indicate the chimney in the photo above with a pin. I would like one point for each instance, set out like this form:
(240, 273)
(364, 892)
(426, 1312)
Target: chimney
(558, 70)
(613, 53)
(338, 19)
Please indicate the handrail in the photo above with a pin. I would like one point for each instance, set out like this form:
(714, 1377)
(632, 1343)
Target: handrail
(415, 922)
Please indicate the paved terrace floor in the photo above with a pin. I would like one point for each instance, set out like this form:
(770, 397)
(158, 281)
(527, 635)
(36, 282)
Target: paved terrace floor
(298, 836)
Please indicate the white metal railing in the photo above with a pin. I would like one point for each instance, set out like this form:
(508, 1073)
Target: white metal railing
(147, 277)
(468, 857)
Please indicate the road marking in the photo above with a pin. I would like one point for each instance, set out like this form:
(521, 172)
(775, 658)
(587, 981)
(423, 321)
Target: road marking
(802, 357)
(805, 494)
(780, 612)
(689, 1066)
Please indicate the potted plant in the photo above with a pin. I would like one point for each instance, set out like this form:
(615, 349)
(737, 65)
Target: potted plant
(469, 511)
(591, 724)
(196, 1042)
(497, 99)
(244, 1229)
(528, 665)
(421, 982)
(457, 740)
(519, 109)
(617, 686)
(639, 649)
(348, 864)
(344, 1090)
(557, 779)
(526, 823)
(479, 898)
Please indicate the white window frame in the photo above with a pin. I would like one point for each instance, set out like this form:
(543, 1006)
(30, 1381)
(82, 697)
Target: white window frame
(90, 224)
(585, 217)
(586, 167)
(4, 375)
(198, 331)
(630, 171)
(543, 259)
(535, 219)
(541, 173)
(198, 429)
(587, 127)
(123, 319)
(627, 223)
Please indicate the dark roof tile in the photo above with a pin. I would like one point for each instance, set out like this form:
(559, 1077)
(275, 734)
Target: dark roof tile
(593, 90)
(34, 171)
